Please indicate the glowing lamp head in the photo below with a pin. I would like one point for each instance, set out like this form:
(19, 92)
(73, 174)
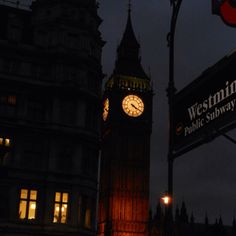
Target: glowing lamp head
(166, 200)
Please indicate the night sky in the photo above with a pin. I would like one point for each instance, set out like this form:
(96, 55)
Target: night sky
(205, 178)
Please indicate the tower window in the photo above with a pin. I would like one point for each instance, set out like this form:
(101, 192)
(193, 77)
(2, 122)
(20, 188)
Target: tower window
(28, 203)
(60, 207)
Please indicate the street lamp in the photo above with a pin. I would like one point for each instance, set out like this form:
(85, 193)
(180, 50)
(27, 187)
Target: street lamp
(166, 200)
(167, 227)
(170, 94)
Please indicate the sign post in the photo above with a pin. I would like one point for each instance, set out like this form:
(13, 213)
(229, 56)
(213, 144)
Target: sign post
(170, 94)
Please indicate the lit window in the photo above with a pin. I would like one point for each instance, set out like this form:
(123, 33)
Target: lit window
(60, 207)
(88, 218)
(85, 212)
(28, 204)
(6, 142)
(5, 150)
(10, 100)
(8, 105)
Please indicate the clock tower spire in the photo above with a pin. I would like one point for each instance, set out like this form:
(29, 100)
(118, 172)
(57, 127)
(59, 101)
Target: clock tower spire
(125, 154)
(128, 60)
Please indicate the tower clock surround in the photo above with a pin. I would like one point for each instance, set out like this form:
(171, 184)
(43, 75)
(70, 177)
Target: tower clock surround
(133, 105)
(105, 109)
(125, 148)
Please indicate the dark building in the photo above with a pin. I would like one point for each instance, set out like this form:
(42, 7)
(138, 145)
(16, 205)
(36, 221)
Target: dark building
(125, 154)
(50, 94)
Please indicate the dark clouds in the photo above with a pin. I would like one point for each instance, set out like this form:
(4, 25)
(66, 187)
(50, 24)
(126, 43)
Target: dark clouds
(205, 177)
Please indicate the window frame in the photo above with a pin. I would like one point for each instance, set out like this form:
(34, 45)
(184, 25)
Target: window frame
(5, 148)
(28, 200)
(5, 141)
(8, 105)
(60, 203)
(86, 212)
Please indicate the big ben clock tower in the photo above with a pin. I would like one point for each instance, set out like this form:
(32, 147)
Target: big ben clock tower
(125, 156)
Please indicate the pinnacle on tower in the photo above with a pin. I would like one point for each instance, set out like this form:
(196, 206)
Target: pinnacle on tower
(234, 222)
(129, 7)
(192, 218)
(183, 213)
(220, 221)
(128, 60)
(177, 214)
(206, 219)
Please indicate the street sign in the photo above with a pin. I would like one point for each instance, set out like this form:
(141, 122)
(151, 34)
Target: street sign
(206, 107)
(226, 9)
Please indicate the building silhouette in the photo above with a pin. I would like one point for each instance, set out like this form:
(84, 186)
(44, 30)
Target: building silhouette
(50, 94)
(184, 224)
(50, 102)
(125, 153)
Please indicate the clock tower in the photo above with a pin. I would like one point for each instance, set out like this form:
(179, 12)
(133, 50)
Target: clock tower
(125, 155)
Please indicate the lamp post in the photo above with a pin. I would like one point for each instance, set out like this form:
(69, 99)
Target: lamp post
(170, 94)
(166, 200)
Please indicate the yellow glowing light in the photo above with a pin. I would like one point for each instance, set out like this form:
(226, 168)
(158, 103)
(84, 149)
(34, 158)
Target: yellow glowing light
(65, 197)
(57, 208)
(7, 142)
(133, 105)
(33, 206)
(166, 200)
(105, 109)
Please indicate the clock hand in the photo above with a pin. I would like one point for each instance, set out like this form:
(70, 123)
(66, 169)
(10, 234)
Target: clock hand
(135, 107)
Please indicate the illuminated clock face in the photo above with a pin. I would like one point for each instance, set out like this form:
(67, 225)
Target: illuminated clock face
(105, 109)
(133, 105)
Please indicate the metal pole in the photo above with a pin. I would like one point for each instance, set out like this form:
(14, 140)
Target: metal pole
(170, 94)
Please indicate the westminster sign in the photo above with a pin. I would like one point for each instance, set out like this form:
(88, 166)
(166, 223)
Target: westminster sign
(207, 107)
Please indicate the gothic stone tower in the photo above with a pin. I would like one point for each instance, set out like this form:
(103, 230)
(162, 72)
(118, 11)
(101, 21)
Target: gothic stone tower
(127, 124)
